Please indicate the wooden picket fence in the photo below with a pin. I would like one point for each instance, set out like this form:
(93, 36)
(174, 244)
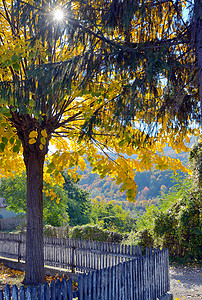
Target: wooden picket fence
(76, 255)
(55, 291)
(142, 278)
(110, 272)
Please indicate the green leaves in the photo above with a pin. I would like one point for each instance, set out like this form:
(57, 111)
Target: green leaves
(2, 147)
(16, 66)
(51, 167)
(4, 140)
(14, 58)
(5, 111)
(16, 148)
(11, 140)
(3, 143)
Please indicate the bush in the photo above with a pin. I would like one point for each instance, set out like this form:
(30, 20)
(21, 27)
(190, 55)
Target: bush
(59, 232)
(143, 238)
(94, 233)
(180, 227)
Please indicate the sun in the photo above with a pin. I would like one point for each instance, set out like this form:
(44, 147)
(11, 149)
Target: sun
(58, 14)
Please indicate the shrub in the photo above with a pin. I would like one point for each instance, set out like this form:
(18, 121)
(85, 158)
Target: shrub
(143, 238)
(59, 232)
(49, 231)
(94, 233)
(180, 227)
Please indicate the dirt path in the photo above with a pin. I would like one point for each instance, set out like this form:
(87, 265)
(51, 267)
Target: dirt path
(186, 282)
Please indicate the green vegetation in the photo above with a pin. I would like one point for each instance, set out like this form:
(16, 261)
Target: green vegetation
(176, 223)
(111, 216)
(90, 232)
(180, 227)
(151, 185)
(73, 207)
(121, 76)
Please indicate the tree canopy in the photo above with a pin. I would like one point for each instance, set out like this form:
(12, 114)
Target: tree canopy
(111, 79)
(131, 62)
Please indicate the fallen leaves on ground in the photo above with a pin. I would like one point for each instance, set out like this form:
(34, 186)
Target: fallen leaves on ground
(11, 277)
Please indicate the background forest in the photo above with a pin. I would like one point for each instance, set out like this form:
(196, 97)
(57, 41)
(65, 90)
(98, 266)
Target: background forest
(151, 185)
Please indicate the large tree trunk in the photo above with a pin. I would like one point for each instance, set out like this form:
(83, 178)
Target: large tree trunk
(34, 267)
(34, 157)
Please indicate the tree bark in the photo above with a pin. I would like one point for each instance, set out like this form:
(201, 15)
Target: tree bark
(34, 266)
(34, 157)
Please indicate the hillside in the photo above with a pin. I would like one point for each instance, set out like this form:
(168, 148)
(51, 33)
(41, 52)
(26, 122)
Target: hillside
(151, 184)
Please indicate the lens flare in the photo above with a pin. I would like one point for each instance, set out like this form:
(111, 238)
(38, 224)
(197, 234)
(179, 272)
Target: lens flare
(58, 14)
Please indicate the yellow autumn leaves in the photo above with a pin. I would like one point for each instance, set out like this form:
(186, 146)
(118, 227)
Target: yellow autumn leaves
(15, 277)
(33, 135)
(53, 195)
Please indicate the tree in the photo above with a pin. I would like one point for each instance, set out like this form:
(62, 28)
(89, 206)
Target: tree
(195, 160)
(180, 225)
(79, 204)
(119, 76)
(73, 207)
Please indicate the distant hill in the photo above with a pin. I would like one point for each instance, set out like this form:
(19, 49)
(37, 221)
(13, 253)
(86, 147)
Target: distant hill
(151, 184)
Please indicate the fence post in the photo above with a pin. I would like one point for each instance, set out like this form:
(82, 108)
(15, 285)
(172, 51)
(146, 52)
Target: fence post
(19, 255)
(73, 254)
(1, 295)
(52, 288)
(7, 292)
(41, 292)
(69, 289)
(14, 292)
(29, 293)
(22, 293)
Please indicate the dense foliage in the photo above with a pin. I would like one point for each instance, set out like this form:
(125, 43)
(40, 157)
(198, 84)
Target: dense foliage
(112, 217)
(94, 233)
(150, 185)
(180, 227)
(195, 159)
(175, 224)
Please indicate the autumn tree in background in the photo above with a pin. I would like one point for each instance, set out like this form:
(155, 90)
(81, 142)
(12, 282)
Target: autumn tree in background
(112, 79)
